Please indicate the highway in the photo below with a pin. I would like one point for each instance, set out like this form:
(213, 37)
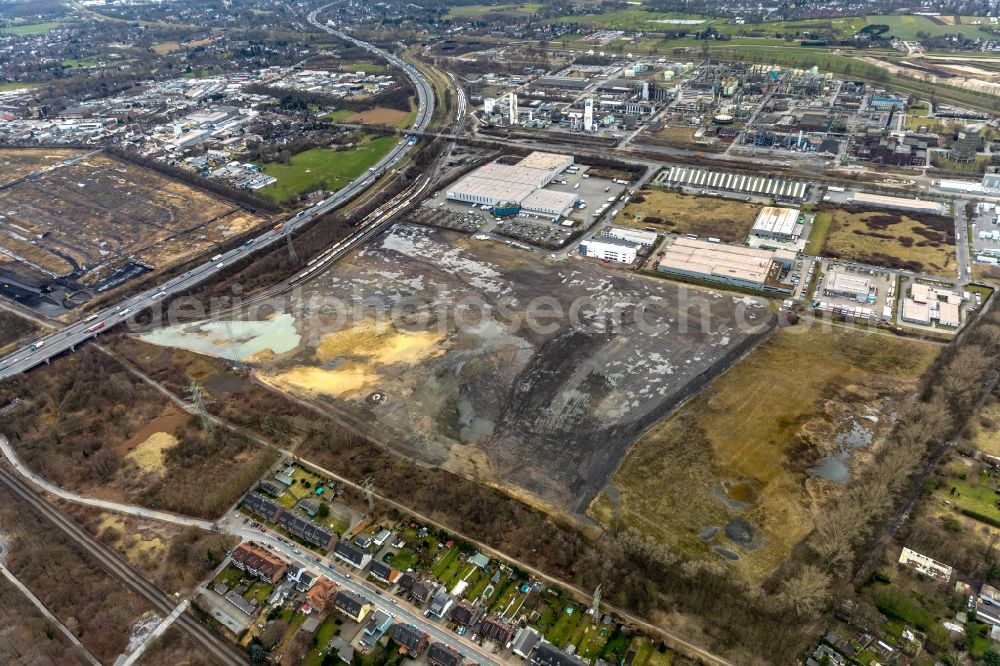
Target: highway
(44, 348)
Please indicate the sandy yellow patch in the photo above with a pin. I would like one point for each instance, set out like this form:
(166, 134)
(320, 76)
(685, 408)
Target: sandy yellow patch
(345, 381)
(380, 345)
(149, 454)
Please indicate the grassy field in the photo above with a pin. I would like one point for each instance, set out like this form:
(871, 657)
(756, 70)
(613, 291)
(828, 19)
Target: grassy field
(892, 239)
(751, 436)
(465, 11)
(984, 432)
(907, 27)
(31, 28)
(818, 232)
(688, 214)
(13, 85)
(321, 168)
(339, 115)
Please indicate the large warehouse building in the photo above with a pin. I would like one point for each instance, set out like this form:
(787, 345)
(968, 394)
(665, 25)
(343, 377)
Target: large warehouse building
(780, 224)
(728, 264)
(898, 203)
(520, 183)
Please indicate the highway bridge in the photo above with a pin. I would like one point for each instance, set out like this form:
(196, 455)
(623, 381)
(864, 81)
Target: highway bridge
(53, 344)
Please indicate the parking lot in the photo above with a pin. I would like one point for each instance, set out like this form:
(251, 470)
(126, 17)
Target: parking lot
(882, 285)
(601, 197)
(985, 222)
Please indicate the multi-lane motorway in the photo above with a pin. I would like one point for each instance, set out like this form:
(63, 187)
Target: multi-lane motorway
(44, 348)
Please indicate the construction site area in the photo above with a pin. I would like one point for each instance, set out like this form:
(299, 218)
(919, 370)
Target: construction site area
(489, 361)
(81, 226)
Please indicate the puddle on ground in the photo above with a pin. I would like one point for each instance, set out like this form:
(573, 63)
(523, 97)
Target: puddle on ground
(834, 466)
(234, 340)
(708, 532)
(472, 428)
(726, 553)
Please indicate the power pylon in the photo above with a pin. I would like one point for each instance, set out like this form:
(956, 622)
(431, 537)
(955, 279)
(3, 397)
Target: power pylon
(595, 605)
(198, 399)
(241, 367)
(368, 485)
(292, 254)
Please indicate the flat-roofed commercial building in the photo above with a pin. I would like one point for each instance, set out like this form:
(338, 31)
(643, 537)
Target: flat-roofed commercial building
(518, 185)
(549, 202)
(647, 238)
(488, 191)
(548, 161)
(848, 286)
(515, 173)
(949, 314)
(610, 249)
(781, 224)
(727, 264)
(916, 313)
(898, 203)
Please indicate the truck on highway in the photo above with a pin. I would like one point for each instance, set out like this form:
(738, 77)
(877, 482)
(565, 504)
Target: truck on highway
(279, 226)
(96, 327)
(37, 345)
(217, 257)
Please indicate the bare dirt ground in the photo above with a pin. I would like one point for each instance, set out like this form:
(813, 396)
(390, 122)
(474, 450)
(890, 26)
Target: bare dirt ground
(461, 381)
(19, 162)
(88, 219)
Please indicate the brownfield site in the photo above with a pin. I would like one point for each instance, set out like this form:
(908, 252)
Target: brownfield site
(916, 242)
(17, 163)
(89, 425)
(459, 379)
(679, 213)
(739, 472)
(85, 221)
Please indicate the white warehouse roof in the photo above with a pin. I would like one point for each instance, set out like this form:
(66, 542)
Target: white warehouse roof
(777, 221)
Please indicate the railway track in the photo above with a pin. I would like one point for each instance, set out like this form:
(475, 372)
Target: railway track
(215, 646)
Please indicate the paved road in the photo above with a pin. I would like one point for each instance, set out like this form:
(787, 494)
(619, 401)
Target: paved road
(106, 505)
(221, 651)
(48, 346)
(401, 611)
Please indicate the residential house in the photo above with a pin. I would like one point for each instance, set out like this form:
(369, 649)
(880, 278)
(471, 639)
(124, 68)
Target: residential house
(241, 604)
(423, 590)
(310, 506)
(406, 581)
(480, 560)
(381, 571)
(525, 641)
(376, 626)
(353, 555)
(303, 578)
(492, 627)
(440, 654)
(310, 625)
(307, 530)
(267, 509)
(381, 538)
(409, 638)
(441, 601)
(343, 649)
(548, 654)
(319, 595)
(465, 614)
(257, 561)
(352, 605)
(273, 487)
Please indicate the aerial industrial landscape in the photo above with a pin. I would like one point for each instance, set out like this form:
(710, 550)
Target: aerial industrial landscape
(544, 334)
